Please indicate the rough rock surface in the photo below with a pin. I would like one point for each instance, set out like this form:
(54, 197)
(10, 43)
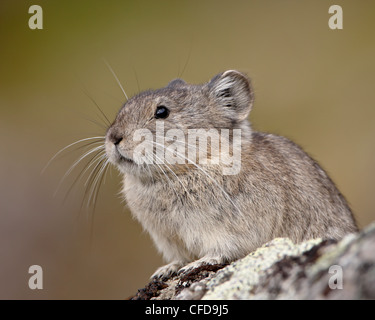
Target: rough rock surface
(314, 269)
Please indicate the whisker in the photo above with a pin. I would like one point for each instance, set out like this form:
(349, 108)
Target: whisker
(84, 156)
(97, 182)
(106, 171)
(79, 147)
(108, 123)
(83, 171)
(150, 202)
(118, 81)
(171, 170)
(89, 182)
(178, 179)
(100, 157)
(187, 194)
(100, 181)
(68, 146)
(102, 126)
(149, 170)
(170, 181)
(202, 170)
(94, 192)
(92, 187)
(75, 164)
(186, 63)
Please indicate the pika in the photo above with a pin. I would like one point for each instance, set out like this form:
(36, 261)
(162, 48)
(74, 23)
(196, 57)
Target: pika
(194, 213)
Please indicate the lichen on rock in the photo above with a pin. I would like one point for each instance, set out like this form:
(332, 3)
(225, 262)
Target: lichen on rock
(280, 269)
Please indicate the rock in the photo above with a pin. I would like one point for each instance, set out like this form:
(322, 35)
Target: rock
(280, 269)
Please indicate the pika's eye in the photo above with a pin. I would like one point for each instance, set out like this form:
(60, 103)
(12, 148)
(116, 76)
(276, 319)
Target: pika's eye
(161, 112)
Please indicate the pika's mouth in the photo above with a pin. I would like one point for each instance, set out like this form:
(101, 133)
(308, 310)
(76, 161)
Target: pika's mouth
(123, 159)
(117, 157)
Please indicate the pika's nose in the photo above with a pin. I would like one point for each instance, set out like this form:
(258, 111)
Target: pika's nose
(115, 138)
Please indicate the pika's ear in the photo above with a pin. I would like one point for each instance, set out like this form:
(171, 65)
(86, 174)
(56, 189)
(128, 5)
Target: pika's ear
(176, 83)
(232, 90)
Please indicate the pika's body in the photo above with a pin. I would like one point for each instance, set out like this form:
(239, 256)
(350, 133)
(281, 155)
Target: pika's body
(194, 213)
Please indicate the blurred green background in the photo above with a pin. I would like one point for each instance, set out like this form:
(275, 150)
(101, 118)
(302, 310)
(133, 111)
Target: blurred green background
(312, 84)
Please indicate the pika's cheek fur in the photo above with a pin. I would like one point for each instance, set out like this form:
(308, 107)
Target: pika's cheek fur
(197, 215)
(110, 150)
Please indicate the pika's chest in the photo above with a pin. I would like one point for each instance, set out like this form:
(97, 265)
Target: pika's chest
(155, 200)
(161, 204)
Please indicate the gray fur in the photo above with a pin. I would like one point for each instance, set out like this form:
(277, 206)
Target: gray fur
(197, 218)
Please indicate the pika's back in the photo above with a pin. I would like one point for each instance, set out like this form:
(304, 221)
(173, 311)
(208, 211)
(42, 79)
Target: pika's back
(305, 201)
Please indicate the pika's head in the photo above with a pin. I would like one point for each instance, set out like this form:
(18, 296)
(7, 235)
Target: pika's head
(222, 103)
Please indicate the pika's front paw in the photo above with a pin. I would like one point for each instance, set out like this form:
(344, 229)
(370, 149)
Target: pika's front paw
(198, 263)
(167, 271)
